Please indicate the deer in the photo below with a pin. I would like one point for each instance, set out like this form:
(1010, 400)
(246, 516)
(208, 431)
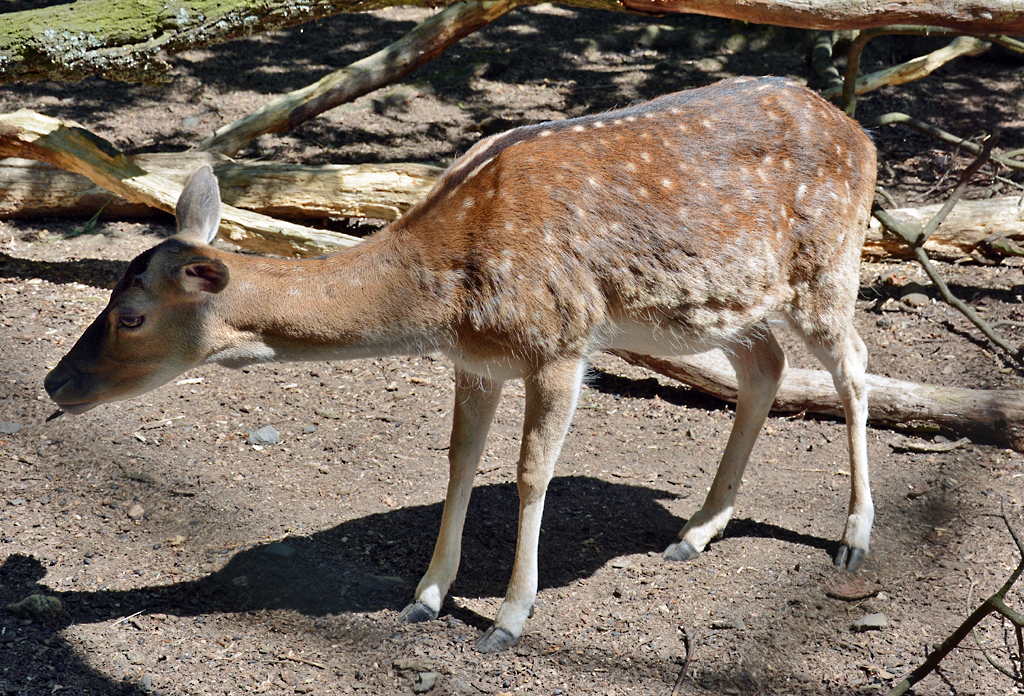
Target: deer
(694, 221)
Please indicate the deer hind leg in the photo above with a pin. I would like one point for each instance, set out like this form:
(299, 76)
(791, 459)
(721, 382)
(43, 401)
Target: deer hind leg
(760, 365)
(845, 357)
(475, 402)
(551, 395)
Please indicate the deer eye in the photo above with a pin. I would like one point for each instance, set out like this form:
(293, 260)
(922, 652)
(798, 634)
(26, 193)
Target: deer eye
(130, 321)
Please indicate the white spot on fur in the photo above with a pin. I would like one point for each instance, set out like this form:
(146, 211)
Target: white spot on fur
(645, 156)
(578, 129)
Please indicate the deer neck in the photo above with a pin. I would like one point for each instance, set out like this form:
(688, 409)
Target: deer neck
(376, 299)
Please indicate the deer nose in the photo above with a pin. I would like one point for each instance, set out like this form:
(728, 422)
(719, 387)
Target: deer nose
(57, 379)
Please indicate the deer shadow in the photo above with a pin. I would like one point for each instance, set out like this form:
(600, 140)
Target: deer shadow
(373, 563)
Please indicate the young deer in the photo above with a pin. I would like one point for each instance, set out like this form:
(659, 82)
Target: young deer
(667, 228)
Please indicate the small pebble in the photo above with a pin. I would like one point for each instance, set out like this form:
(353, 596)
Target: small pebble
(915, 299)
(871, 622)
(280, 549)
(267, 435)
(425, 681)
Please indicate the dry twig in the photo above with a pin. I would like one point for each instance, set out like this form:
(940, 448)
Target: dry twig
(916, 236)
(917, 68)
(690, 644)
(994, 604)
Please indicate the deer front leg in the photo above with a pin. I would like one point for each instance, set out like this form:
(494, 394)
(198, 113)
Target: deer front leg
(475, 402)
(551, 395)
(760, 366)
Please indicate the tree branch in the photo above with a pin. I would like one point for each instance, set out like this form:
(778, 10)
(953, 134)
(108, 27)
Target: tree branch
(968, 17)
(911, 70)
(917, 68)
(994, 604)
(384, 67)
(915, 237)
(896, 117)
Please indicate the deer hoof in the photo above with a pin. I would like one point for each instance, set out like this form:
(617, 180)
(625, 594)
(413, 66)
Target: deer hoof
(417, 612)
(495, 640)
(849, 559)
(682, 550)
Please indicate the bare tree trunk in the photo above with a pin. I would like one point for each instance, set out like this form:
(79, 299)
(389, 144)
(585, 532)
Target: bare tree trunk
(989, 414)
(126, 40)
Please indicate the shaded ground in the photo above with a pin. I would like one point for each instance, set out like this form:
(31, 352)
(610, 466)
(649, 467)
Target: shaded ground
(281, 570)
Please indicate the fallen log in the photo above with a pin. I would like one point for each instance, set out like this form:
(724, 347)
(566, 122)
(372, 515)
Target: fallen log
(31, 189)
(962, 232)
(991, 415)
(27, 134)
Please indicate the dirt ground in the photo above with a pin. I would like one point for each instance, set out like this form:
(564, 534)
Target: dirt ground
(188, 562)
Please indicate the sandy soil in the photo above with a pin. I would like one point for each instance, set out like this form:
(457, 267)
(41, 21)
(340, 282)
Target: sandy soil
(188, 562)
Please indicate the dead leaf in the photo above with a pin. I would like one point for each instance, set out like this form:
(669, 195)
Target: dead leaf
(853, 590)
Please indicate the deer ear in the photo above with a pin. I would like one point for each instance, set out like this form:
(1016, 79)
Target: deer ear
(198, 209)
(203, 275)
